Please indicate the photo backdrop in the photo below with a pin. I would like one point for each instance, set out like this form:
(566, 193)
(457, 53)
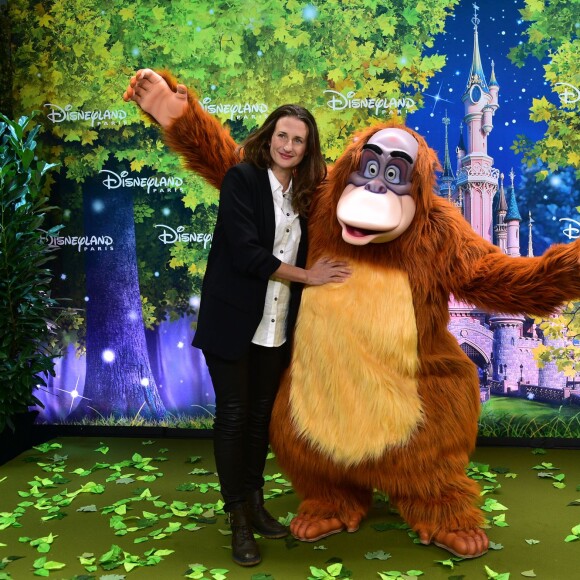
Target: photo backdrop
(137, 226)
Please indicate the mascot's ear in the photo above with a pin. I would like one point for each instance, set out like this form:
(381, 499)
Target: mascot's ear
(424, 175)
(348, 161)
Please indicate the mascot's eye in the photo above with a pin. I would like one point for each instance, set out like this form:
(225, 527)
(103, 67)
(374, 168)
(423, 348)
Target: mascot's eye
(393, 174)
(371, 169)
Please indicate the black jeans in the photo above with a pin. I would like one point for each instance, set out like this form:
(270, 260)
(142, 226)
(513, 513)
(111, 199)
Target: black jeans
(245, 390)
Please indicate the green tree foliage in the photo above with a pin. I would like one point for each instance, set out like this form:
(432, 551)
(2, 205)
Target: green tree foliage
(82, 53)
(565, 325)
(552, 38)
(5, 61)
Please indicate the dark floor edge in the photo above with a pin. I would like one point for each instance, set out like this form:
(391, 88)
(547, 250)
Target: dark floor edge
(14, 444)
(52, 431)
(544, 442)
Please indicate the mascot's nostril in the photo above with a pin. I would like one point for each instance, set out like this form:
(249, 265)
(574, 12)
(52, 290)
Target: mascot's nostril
(376, 186)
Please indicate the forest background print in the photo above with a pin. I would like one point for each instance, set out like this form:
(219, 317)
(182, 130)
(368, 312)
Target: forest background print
(137, 226)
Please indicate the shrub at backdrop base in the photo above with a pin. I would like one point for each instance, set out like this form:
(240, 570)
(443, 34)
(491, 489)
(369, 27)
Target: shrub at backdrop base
(27, 325)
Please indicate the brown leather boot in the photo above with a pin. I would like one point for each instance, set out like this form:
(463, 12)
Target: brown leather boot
(262, 522)
(245, 551)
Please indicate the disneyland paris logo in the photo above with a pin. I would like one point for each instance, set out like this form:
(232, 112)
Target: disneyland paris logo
(153, 184)
(338, 102)
(569, 94)
(235, 111)
(103, 118)
(82, 243)
(571, 228)
(170, 236)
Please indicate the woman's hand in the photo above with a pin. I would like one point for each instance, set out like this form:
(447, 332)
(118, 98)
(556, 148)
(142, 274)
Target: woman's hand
(326, 270)
(323, 271)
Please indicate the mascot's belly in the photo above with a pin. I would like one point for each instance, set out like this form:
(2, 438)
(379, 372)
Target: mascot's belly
(354, 388)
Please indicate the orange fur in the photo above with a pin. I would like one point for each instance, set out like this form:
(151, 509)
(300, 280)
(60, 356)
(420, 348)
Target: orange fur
(441, 255)
(206, 147)
(378, 378)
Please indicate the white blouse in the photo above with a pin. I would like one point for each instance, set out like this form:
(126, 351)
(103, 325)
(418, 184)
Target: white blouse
(272, 328)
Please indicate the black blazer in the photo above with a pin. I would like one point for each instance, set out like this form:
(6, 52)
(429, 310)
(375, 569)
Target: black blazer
(240, 263)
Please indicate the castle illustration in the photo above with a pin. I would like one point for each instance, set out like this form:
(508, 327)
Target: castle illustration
(500, 345)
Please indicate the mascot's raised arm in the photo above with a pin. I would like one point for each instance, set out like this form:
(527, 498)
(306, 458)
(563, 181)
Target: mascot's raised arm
(379, 395)
(205, 146)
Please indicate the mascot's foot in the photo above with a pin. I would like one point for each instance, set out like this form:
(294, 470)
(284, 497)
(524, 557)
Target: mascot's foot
(308, 528)
(461, 543)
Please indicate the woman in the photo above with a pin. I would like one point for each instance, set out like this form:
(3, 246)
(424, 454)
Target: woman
(249, 304)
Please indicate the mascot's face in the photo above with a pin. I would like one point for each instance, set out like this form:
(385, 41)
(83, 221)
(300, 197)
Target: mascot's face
(376, 206)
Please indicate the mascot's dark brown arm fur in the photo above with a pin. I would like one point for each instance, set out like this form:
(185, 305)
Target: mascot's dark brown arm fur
(205, 146)
(379, 395)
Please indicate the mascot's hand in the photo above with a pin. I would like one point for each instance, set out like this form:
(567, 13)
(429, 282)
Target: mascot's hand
(154, 96)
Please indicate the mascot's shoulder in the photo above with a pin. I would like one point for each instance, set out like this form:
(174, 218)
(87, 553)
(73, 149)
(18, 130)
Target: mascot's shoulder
(442, 208)
(443, 220)
(444, 229)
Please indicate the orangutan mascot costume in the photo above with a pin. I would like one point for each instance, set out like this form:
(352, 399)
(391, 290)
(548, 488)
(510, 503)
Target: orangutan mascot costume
(379, 395)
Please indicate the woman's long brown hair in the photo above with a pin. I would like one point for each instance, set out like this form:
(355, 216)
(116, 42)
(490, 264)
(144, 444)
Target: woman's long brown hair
(311, 170)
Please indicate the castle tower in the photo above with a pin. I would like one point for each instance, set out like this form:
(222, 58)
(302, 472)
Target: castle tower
(489, 110)
(460, 150)
(507, 330)
(501, 227)
(549, 375)
(447, 179)
(460, 153)
(513, 220)
(477, 178)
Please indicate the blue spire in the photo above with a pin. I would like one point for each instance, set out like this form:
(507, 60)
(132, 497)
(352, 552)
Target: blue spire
(502, 204)
(492, 80)
(476, 75)
(447, 170)
(513, 211)
(461, 144)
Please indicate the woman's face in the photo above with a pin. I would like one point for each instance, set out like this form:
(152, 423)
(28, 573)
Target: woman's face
(288, 144)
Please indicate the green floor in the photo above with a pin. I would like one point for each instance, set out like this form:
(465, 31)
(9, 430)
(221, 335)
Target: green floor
(97, 507)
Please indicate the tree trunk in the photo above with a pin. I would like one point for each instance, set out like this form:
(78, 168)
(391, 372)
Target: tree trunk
(119, 381)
